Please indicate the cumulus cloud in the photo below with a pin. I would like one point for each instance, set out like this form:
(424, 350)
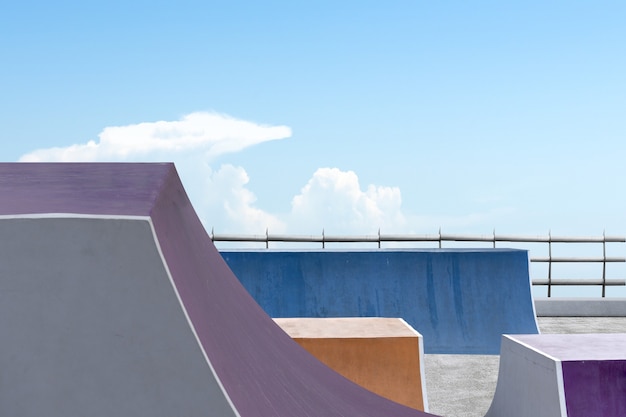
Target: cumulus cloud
(212, 134)
(220, 197)
(333, 199)
(230, 206)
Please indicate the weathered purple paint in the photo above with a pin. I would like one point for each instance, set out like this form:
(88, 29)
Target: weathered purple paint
(82, 188)
(595, 387)
(263, 371)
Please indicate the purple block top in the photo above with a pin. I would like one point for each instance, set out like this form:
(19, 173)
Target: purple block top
(575, 347)
(80, 188)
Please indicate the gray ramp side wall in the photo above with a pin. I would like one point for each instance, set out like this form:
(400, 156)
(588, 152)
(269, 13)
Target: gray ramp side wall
(529, 384)
(91, 325)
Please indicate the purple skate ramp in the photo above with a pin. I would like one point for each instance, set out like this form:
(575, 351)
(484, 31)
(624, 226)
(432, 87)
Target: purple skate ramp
(114, 302)
(561, 375)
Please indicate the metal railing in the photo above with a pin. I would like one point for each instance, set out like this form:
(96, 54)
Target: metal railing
(549, 281)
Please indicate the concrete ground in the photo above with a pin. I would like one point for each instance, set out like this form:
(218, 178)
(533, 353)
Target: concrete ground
(463, 385)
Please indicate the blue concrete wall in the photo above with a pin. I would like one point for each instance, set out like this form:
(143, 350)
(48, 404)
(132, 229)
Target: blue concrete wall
(460, 300)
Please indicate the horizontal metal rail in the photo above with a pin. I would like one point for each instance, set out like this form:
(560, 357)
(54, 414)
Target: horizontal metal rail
(574, 260)
(579, 281)
(440, 238)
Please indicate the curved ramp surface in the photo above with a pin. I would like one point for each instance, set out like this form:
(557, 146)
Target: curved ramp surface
(460, 300)
(561, 375)
(114, 302)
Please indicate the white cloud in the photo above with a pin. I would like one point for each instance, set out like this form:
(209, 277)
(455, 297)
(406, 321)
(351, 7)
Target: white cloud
(333, 200)
(220, 197)
(230, 207)
(211, 134)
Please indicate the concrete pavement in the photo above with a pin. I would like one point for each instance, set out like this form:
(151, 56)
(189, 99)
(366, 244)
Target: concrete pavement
(463, 385)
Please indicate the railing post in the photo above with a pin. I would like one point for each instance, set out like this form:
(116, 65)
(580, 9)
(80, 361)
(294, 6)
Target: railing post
(549, 263)
(603, 263)
(439, 237)
(494, 238)
(323, 240)
(267, 238)
(379, 238)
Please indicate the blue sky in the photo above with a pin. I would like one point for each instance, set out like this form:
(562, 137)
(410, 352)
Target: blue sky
(350, 116)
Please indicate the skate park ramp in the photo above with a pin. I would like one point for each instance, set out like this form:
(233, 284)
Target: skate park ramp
(114, 302)
(573, 375)
(460, 300)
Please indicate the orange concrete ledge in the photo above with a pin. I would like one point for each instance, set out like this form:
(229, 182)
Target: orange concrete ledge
(384, 355)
